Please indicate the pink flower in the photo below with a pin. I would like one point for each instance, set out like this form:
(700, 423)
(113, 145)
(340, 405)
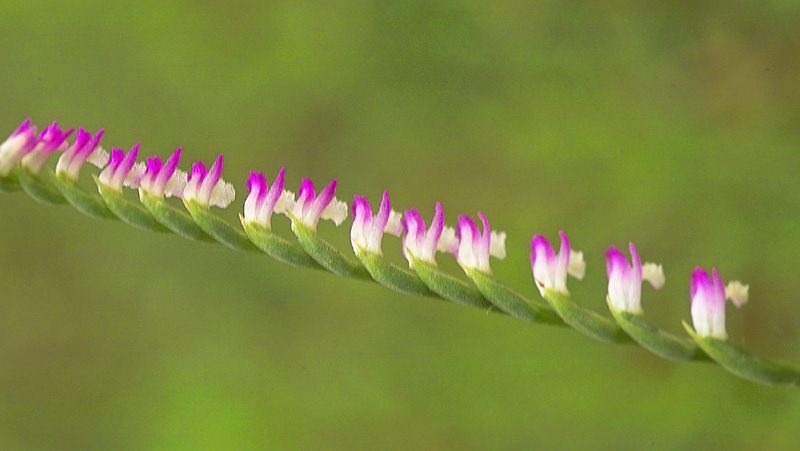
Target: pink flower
(367, 231)
(50, 140)
(423, 245)
(625, 280)
(475, 248)
(262, 202)
(309, 208)
(17, 146)
(85, 148)
(550, 269)
(165, 179)
(207, 188)
(708, 302)
(122, 169)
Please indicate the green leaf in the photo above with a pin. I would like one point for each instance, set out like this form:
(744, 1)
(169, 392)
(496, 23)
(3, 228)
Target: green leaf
(448, 287)
(129, 212)
(510, 301)
(586, 321)
(87, 203)
(391, 276)
(739, 362)
(657, 341)
(41, 186)
(175, 220)
(218, 228)
(326, 255)
(278, 247)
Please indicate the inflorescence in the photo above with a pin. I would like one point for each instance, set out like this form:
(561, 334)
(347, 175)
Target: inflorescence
(24, 154)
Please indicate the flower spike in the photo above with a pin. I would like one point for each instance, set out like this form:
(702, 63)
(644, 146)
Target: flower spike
(122, 169)
(50, 140)
(309, 208)
(708, 302)
(165, 179)
(423, 245)
(85, 148)
(207, 188)
(550, 270)
(367, 231)
(475, 248)
(16, 146)
(625, 281)
(262, 202)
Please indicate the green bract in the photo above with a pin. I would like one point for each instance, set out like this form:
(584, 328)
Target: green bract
(41, 186)
(217, 228)
(657, 341)
(127, 211)
(585, 321)
(510, 301)
(175, 220)
(326, 255)
(89, 204)
(277, 247)
(746, 366)
(393, 277)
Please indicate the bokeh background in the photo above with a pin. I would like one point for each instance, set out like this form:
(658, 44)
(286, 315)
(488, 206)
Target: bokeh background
(673, 125)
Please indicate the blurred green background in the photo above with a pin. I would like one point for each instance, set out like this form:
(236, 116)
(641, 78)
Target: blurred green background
(672, 125)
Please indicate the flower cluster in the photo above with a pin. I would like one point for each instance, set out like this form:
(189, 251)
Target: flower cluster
(471, 245)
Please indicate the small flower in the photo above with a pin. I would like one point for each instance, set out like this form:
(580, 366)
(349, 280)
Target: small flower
(474, 248)
(262, 202)
(550, 270)
(206, 188)
(50, 139)
(708, 302)
(367, 231)
(737, 292)
(166, 179)
(122, 169)
(625, 281)
(16, 146)
(423, 245)
(85, 148)
(309, 208)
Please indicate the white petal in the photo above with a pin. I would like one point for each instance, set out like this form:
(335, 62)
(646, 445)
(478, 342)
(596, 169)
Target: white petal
(447, 241)
(135, 176)
(99, 157)
(395, 224)
(336, 211)
(654, 274)
(737, 292)
(176, 184)
(577, 266)
(222, 194)
(285, 202)
(497, 244)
